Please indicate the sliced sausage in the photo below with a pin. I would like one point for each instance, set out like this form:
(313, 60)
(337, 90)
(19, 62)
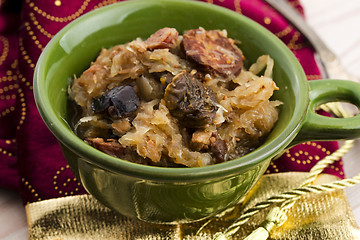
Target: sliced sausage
(163, 38)
(110, 146)
(213, 50)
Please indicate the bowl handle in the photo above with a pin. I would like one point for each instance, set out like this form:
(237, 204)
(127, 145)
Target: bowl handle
(321, 128)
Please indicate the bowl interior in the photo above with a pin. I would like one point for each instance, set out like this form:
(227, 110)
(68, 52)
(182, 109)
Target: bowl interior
(74, 47)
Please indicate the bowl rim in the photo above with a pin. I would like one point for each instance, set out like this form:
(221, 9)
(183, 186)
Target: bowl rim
(230, 168)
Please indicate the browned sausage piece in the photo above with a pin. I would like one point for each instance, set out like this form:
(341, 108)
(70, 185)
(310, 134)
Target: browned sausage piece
(213, 50)
(110, 146)
(163, 38)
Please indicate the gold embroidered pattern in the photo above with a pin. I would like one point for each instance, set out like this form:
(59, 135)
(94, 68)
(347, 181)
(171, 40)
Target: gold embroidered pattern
(24, 53)
(23, 108)
(8, 78)
(237, 6)
(105, 3)
(33, 36)
(3, 151)
(274, 167)
(8, 88)
(23, 79)
(284, 32)
(298, 154)
(17, 76)
(5, 52)
(313, 77)
(8, 97)
(292, 44)
(303, 157)
(267, 20)
(59, 19)
(59, 186)
(39, 27)
(14, 64)
(57, 3)
(7, 111)
(30, 188)
(336, 169)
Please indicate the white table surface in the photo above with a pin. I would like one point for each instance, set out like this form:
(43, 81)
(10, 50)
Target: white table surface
(337, 22)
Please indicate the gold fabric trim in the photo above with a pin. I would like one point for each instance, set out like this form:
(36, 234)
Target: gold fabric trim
(317, 216)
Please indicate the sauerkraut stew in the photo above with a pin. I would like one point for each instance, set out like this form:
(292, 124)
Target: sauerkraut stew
(175, 100)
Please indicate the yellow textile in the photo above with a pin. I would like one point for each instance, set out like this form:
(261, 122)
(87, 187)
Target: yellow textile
(316, 216)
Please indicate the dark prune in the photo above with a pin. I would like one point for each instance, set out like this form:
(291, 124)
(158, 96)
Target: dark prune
(189, 101)
(120, 101)
(100, 104)
(124, 99)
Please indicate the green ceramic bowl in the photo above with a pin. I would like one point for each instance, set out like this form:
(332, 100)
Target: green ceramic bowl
(168, 195)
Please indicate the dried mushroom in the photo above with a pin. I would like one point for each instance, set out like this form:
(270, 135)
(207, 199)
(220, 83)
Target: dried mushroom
(188, 100)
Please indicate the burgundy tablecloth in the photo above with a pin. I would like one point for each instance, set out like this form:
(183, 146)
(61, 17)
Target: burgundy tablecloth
(30, 158)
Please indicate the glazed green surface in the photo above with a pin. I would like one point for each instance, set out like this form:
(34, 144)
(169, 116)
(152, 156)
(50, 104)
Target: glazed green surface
(190, 193)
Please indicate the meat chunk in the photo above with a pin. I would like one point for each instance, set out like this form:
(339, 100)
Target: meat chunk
(110, 146)
(209, 141)
(218, 148)
(190, 101)
(121, 126)
(213, 50)
(200, 140)
(163, 38)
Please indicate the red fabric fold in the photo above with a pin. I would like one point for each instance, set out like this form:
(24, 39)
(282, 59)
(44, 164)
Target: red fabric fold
(30, 157)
